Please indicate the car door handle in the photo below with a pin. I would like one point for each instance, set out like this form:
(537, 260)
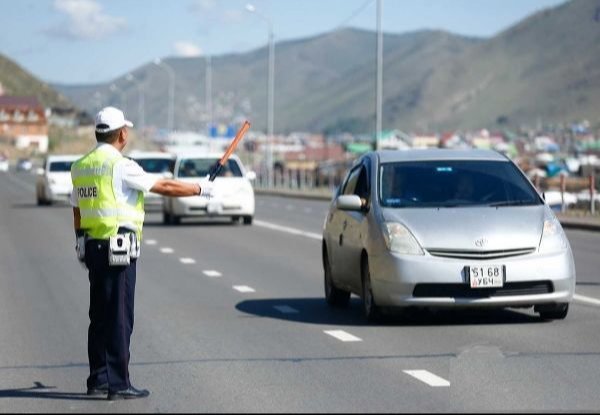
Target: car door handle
(345, 225)
(341, 239)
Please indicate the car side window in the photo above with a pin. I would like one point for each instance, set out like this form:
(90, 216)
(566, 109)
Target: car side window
(350, 186)
(362, 189)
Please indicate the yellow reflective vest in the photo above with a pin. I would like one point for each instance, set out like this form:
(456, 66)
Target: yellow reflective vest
(101, 212)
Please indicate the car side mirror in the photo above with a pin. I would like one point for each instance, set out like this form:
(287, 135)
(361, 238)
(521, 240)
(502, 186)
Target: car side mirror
(251, 175)
(349, 202)
(40, 171)
(168, 175)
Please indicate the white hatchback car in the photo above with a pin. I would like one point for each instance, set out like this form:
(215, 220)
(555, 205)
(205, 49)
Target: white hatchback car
(155, 163)
(53, 182)
(233, 194)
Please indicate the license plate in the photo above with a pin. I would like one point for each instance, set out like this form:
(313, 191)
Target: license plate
(486, 276)
(214, 208)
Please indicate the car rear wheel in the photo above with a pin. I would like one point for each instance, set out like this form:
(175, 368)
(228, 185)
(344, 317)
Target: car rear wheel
(371, 309)
(247, 220)
(333, 295)
(166, 218)
(553, 311)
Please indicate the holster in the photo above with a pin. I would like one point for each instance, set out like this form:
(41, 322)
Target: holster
(122, 248)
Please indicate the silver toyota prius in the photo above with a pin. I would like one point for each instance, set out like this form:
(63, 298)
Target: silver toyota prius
(439, 228)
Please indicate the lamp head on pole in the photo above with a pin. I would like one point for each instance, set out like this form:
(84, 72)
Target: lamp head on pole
(250, 8)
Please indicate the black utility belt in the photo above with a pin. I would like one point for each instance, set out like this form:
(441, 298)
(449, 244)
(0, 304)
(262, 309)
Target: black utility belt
(122, 248)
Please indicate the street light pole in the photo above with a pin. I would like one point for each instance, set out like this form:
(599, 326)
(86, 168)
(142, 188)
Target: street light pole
(171, 72)
(270, 94)
(113, 87)
(208, 89)
(141, 117)
(379, 86)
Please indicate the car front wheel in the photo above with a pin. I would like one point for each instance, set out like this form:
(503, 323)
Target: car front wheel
(553, 311)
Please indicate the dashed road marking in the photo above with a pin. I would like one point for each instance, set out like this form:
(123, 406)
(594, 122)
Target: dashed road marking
(584, 299)
(151, 242)
(285, 309)
(211, 273)
(243, 288)
(428, 378)
(342, 335)
(187, 260)
(167, 250)
(286, 229)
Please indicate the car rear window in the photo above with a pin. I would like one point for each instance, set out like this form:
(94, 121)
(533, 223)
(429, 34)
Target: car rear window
(60, 166)
(202, 167)
(156, 165)
(454, 183)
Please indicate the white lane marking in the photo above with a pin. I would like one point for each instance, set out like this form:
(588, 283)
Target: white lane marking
(167, 250)
(342, 335)
(243, 288)
(428, 377)
(285, 309)
(286, 229)
(151, 242)
(211, 273)
(21, 182)
(187, 260)
(585, 299)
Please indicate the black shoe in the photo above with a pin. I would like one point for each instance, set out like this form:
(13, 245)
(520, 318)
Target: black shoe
(130, 393)
(98, 390)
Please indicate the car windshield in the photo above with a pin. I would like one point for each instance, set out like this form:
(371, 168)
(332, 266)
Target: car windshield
(156, 165)
(201, 167)
(456, 183)
(60, 166)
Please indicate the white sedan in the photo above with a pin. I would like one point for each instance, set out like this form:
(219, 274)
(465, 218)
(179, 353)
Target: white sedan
(233, 194)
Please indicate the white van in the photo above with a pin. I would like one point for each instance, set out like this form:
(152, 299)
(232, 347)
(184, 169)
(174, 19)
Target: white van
(156, 163)
(53, 181)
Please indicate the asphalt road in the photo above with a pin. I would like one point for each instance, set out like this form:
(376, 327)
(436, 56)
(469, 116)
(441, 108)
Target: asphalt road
(231, 318)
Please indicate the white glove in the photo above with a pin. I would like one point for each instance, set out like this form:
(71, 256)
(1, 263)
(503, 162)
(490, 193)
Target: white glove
(206, 188)
(80, 250)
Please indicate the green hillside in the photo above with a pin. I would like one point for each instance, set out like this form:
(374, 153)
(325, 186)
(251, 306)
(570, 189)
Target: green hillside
(17, 81)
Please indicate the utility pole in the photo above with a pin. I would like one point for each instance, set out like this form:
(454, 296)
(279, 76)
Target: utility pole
(379, 82)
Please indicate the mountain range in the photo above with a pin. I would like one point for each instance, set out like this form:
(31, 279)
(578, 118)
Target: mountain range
(545, 68)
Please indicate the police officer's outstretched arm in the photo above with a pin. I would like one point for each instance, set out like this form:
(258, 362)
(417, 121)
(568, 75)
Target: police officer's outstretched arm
(176, 188)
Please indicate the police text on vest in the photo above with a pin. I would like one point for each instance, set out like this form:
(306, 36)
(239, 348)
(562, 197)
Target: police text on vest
(88, 192)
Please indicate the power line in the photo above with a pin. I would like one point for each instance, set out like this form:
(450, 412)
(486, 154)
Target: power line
(354, 14)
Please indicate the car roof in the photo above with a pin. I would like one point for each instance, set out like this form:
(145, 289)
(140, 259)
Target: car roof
(151, 154)
(64, 157)
(211, 156)
(388, 156)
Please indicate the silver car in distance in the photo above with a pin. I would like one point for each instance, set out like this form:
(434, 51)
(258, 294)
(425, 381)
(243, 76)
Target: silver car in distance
(439, 228)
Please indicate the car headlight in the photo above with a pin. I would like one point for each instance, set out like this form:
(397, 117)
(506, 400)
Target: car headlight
(399, 239)
(553, 238)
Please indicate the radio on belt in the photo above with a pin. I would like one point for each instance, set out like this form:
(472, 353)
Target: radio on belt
(118, 250)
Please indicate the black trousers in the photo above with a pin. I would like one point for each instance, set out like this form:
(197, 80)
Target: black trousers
(112, 292)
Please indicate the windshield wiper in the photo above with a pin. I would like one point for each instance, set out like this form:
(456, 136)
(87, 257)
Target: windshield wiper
(512, 203)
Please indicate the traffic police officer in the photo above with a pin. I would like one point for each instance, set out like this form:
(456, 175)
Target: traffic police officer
(108, 215)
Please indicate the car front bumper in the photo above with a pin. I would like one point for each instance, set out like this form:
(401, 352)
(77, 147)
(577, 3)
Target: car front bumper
(410, 280)
(226, 206)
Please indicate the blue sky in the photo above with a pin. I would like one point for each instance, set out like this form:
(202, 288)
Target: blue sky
(90, 41)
